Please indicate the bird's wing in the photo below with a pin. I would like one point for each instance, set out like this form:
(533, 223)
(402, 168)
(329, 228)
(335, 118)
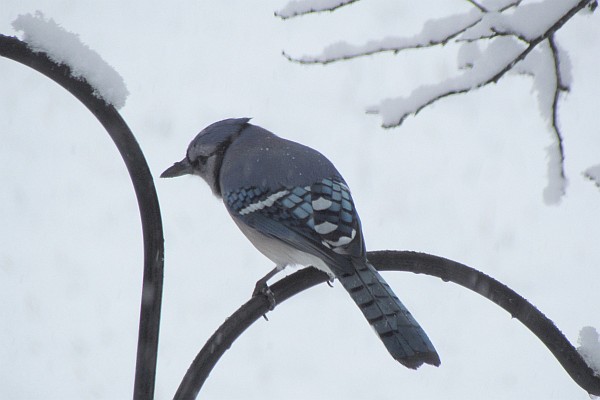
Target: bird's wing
(319, 219)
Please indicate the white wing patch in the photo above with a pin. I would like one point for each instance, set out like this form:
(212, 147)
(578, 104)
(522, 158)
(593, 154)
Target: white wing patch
(268, 202)
(325, 228)
(343, 240)
(321, 204)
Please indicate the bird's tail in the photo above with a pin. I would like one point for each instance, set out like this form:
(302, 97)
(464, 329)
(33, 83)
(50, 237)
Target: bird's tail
(398, 330)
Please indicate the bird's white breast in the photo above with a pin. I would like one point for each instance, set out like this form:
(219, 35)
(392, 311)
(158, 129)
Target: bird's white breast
(281, 253)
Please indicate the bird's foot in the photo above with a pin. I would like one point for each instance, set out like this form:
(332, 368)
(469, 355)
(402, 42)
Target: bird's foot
(262, 289)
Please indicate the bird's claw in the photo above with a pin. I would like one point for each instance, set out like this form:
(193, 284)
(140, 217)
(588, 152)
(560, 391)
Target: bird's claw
(262, 289)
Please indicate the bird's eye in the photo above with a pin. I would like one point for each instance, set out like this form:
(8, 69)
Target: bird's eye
(199, 161)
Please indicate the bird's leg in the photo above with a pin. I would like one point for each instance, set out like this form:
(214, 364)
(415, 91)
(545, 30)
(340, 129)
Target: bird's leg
(262, 288)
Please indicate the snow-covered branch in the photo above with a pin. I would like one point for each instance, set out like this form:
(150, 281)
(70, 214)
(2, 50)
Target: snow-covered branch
(434, 33)
(302, 7)
(509, 37)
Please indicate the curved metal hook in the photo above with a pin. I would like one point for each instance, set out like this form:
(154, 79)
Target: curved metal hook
(419, 263)
(13, 48)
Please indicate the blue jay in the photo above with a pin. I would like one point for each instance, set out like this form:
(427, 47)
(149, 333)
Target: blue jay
(295, 208)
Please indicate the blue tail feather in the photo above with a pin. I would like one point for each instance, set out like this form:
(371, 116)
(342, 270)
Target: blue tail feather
(401, 334)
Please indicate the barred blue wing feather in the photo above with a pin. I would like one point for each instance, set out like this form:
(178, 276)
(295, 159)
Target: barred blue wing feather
(319, 219)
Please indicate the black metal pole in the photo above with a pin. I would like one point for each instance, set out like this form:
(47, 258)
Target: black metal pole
(145, 375)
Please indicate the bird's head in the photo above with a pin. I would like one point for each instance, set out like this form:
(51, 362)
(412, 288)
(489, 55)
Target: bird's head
(205, 153)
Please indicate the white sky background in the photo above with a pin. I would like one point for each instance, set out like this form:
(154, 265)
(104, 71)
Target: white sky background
(463, 180)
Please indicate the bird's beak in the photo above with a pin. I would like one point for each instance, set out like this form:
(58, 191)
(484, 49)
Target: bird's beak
(182, 167)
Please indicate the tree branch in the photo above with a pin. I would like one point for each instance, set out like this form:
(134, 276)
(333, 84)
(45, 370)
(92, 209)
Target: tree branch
(559, 87)
(419, 263)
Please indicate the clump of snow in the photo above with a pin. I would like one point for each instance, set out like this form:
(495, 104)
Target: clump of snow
(593, 174)
(564, 65)
(527, 20)
(468, 53)
(540, 66)
(299, 7)
(589, 348)
(492, 59)
(63, 47)
(557, 183)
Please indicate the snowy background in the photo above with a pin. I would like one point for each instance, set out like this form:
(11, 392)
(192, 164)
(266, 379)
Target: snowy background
(464, 180)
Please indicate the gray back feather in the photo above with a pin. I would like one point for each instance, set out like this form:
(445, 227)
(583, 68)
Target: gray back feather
(259, 158)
